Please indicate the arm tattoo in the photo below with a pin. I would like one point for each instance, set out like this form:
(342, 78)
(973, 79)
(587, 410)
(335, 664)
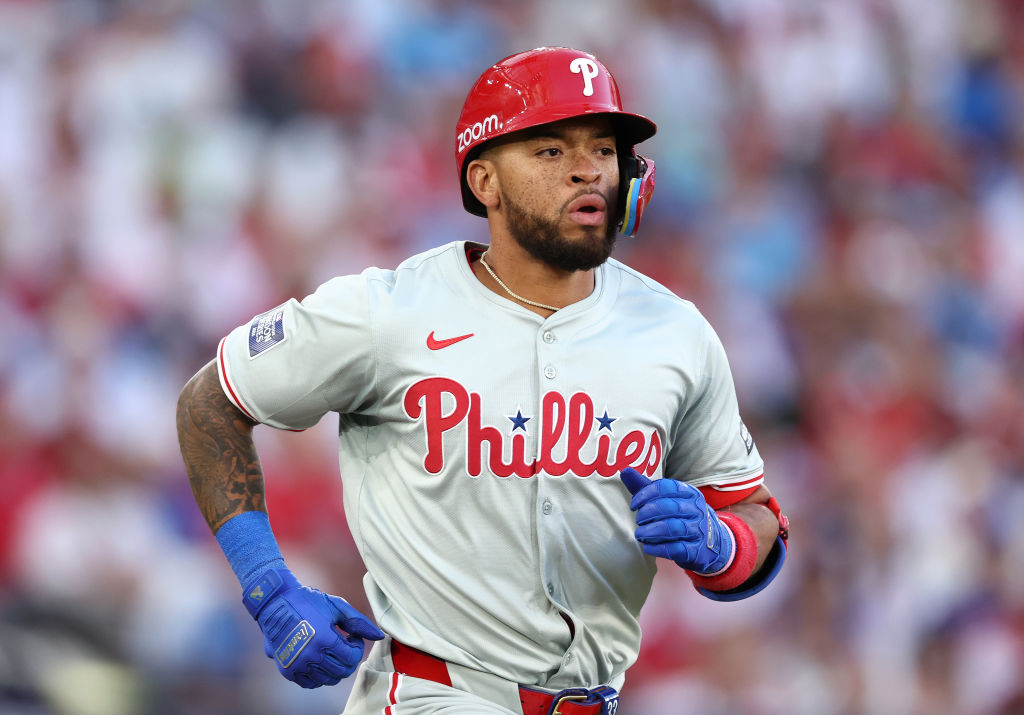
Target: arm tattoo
(217, 447)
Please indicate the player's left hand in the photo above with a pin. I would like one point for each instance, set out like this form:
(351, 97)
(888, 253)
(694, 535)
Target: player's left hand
(301, 629)
(675, 522)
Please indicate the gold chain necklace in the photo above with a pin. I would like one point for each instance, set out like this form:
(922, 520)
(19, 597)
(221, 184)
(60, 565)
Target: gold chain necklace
(508, 290)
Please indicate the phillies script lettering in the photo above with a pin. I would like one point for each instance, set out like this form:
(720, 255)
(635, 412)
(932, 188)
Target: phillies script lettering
(569, 421)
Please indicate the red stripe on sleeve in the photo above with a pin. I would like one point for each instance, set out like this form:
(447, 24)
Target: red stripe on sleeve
(222, 366)
(718, 499)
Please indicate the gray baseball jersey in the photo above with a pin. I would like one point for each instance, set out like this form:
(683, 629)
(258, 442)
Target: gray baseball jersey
(480, 445)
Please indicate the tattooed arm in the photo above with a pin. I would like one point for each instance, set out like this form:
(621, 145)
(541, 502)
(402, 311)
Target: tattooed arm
(227, 481)
(216, 444)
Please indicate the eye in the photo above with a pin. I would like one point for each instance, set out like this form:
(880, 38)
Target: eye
(549, 152)
(607, 151)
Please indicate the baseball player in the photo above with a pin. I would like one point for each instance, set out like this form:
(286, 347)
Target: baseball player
(527, 429)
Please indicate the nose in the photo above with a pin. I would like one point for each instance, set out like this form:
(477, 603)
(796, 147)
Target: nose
(586, 177)
(584, 170)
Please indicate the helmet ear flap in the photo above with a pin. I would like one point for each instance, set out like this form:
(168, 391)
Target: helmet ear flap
(636, 186)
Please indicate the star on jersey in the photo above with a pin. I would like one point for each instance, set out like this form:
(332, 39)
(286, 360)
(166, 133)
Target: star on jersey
(606, 421)
(519, 422)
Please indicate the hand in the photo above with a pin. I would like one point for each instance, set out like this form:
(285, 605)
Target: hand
(300, 629)
(675, 522)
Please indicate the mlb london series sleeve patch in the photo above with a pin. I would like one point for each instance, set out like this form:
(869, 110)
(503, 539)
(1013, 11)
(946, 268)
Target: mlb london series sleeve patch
(266, 331)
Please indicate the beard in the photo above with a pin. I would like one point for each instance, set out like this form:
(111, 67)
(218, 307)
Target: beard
(541, 238)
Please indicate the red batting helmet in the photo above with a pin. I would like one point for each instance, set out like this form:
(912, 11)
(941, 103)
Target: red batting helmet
(546, 85)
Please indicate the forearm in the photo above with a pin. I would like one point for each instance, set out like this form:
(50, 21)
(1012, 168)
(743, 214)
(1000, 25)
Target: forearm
(762, 523)
(217, 448)
(760, 531)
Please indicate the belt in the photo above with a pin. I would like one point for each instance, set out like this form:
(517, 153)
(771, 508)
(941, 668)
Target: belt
(602, 700)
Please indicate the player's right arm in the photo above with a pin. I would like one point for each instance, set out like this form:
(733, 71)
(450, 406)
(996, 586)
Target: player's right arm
(299, 624)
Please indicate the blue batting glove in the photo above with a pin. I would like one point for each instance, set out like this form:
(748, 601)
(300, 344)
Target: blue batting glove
(300, 629)
(675, 522)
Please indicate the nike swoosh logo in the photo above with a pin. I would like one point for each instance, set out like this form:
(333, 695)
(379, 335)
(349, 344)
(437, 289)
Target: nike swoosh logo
(435, 344)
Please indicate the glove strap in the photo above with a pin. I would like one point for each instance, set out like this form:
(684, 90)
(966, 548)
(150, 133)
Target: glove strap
(744, 558)
(259, 592)
(731, 548)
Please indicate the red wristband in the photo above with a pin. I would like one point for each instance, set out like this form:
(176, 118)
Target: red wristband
(742, 563)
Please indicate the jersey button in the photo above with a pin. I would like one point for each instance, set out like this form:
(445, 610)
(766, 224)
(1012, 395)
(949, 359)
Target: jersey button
(551, 589)
(546, 508)
(548, 336)
(550, 372)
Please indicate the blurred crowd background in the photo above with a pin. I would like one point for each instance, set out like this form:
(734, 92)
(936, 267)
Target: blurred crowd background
(840, 189)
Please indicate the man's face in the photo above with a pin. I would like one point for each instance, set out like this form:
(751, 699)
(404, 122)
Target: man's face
(558, 190)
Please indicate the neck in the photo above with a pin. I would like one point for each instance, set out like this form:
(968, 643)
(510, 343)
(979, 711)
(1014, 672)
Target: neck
(531, 283)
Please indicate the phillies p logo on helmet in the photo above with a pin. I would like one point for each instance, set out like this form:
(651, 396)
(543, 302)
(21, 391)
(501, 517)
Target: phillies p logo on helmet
(588, 69)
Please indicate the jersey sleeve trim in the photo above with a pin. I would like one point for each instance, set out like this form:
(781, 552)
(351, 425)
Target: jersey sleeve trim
(743, 483)
(229, 390)
(737, 489)
(225, 382)
(732, 482)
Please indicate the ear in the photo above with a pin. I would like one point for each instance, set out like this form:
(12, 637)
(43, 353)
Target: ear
(482, 179)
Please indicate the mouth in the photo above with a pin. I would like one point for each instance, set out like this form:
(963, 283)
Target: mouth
(588, 210)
